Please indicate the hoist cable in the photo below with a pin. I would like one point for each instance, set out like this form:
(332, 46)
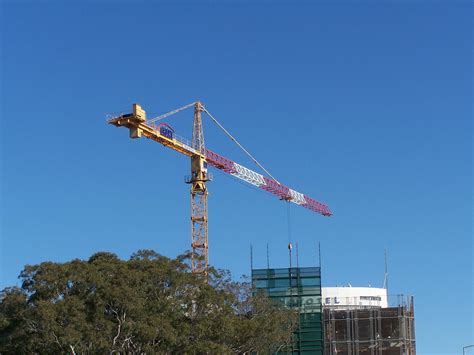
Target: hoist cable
(288, 216)
(240, 145)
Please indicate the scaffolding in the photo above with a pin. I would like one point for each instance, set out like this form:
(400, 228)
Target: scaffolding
(296, 288)
(371, 330)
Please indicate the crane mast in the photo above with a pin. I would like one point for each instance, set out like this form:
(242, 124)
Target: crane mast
(198, 178)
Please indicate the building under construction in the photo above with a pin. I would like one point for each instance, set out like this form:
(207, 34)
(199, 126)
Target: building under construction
(356, 328)
(340, 320)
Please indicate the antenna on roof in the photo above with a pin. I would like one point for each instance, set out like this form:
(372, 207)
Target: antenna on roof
(319, 254)
(385, 279)
(251, 257)
(268, 258)
(289, 251)
(297, 258)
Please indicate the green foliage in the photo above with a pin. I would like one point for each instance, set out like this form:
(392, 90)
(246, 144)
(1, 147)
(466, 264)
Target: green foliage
(148, 304)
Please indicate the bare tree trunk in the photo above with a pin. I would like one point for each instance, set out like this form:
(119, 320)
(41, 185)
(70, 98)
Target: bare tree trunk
(118, 333)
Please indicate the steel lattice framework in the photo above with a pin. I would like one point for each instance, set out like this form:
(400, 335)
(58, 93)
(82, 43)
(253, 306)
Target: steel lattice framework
(270, 185)
(138, 125)
(199, 176)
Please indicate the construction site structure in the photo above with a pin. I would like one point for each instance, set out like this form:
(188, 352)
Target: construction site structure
(342, 320)
(139, 126)
(369, 329)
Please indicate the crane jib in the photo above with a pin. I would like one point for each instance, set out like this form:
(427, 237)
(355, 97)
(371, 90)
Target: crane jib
(265, 183)
(164, 134)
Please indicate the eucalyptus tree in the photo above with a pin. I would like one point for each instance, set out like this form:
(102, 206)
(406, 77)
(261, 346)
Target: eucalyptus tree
(148, 304)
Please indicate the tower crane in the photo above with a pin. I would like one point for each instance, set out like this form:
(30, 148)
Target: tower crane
(201, 157)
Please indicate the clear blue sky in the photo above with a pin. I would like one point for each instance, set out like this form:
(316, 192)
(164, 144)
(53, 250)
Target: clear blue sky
(364, 106)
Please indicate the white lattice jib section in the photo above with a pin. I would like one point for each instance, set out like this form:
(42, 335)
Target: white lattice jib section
(297, 197)
(248, 175)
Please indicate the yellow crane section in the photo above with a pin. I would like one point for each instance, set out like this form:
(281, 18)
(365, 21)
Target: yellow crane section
(136, 123)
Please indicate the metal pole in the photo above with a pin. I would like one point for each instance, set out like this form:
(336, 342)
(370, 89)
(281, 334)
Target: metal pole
(297, 257)
(251, 258)
(289, 251)
(319, 254)
(268, 258)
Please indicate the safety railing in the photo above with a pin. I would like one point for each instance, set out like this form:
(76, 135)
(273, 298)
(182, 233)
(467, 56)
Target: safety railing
(186, 143)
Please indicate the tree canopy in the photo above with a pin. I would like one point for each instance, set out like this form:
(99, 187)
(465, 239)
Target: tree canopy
(149, 304)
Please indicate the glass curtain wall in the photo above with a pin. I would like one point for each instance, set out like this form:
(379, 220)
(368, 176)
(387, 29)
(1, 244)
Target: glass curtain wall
(297, 288)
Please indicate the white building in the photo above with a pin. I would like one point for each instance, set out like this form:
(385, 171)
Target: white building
(347, 297)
